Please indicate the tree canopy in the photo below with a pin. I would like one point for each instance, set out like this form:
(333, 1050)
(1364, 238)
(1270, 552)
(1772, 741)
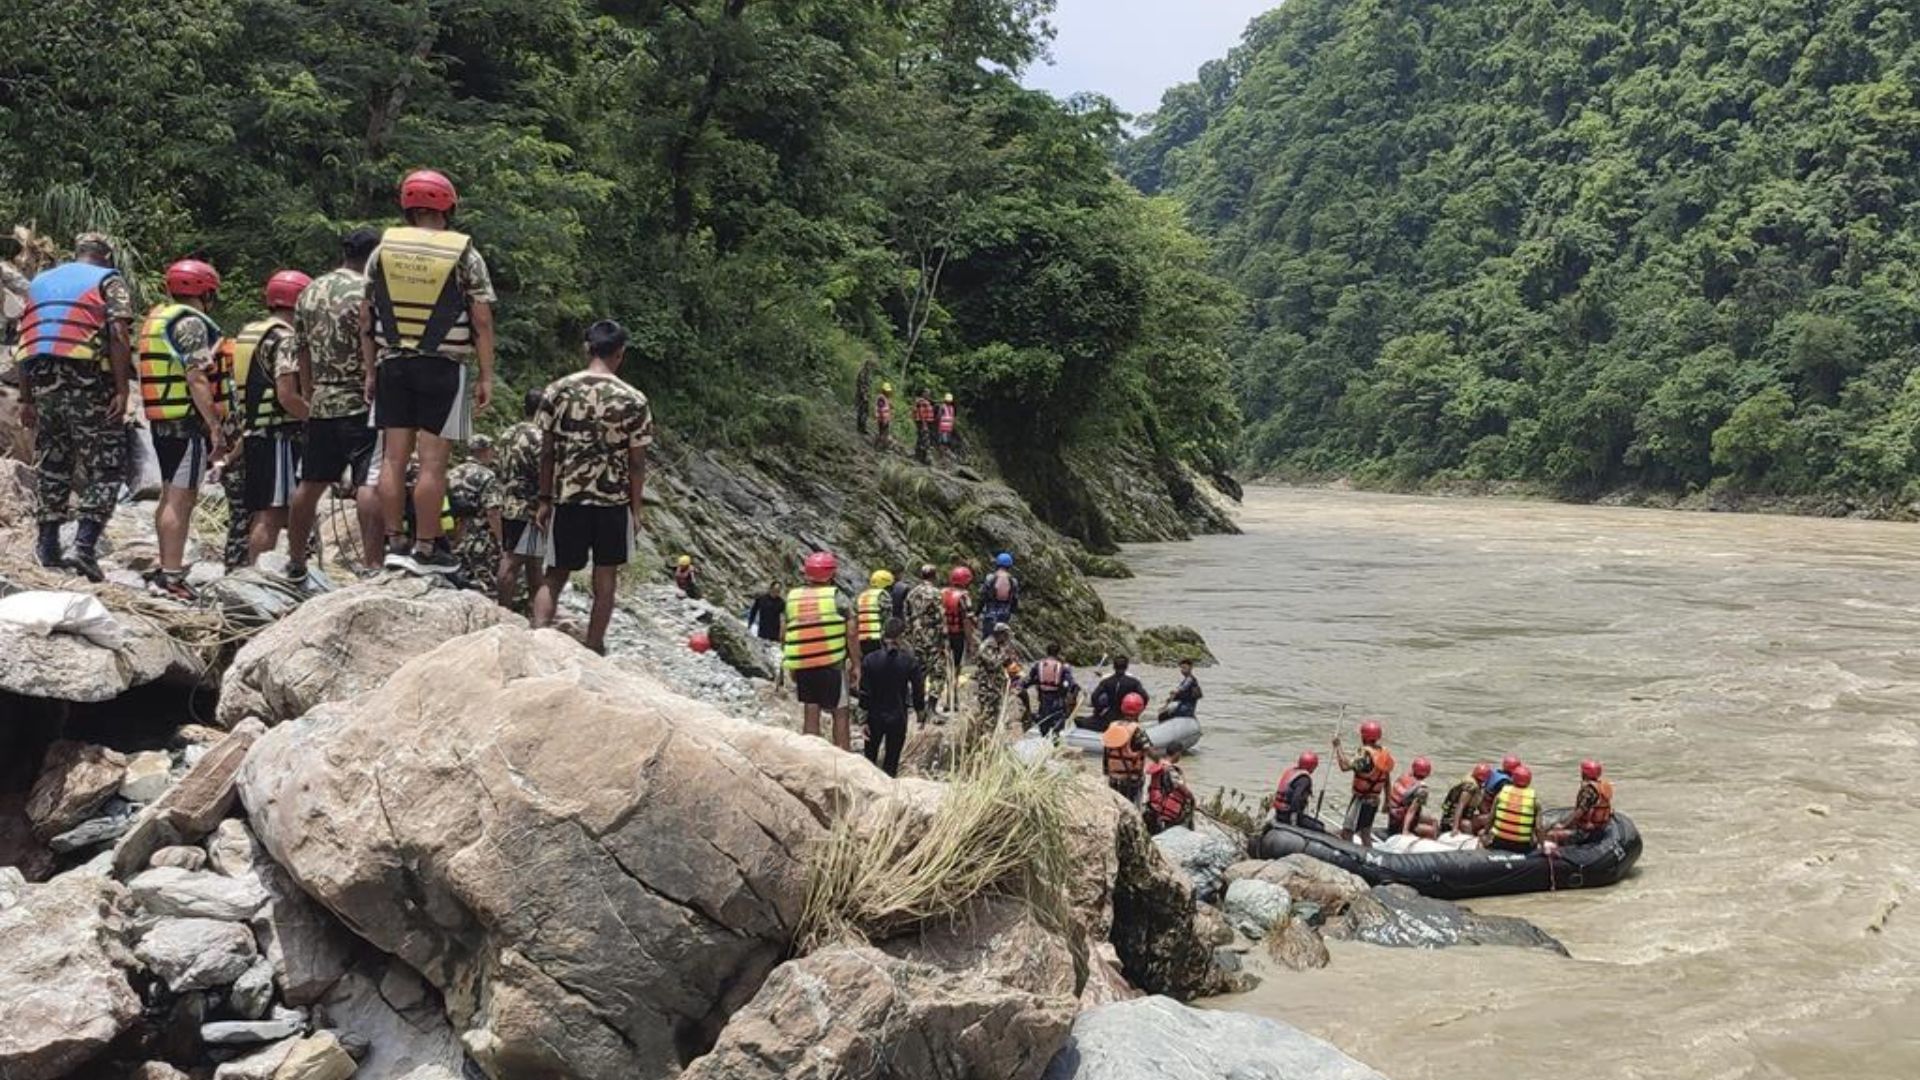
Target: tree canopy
(1587, 243)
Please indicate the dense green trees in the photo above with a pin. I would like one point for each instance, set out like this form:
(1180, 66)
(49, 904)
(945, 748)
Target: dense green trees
(1588, 243)
(769, 192)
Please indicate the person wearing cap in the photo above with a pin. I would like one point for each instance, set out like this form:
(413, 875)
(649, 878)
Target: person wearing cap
(926, 624)
(75, 350)
(179, 368)
(428, 314)
(270, 446)
(820, 649)
(883, 418)
(1372, 769)
(475, 501)
(595, 429)
(922, 425)
(1294, 793)
(893, 682)
(994, 665)
(1109, 693)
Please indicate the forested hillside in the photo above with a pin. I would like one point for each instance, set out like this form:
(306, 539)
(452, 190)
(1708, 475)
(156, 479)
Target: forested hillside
(1589, 243)
(768, 192)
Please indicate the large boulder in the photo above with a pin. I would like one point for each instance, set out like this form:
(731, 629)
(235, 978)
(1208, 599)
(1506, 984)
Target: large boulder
(1156, 1038)
(1128, 895)
(68, 665)
(196, 954)
(1306, 879)
(1397, 916)
(63, 994)
(1202, 855)
(345, 643)
(855, 1013)
(75, 778)
(589, 868)
(1255, 906)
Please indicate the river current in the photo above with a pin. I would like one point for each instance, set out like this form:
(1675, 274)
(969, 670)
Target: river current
(1752, 684)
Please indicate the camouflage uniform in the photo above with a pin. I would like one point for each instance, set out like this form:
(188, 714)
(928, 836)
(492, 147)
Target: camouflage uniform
(594, 420)
(326, 322)
(233, 481)
(990, 674)
(472, 492)
(926, 628)
(519, 470)
(80, 451)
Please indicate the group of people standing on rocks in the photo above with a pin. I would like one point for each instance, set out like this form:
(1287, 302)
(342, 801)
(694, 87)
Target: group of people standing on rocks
(364, 380)
(1499, 806)
(935, 418)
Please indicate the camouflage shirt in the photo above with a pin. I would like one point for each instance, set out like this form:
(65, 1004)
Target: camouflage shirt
(519, 454)
(594, 420)
(11, 279)
(476, 284)
(326, 323)
(472, 490)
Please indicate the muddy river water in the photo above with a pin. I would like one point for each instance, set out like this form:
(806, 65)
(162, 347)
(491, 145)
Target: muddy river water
(1753, 686)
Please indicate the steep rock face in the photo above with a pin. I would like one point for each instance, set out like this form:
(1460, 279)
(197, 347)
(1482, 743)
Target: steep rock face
(63, 995)
(1130, 896)
(579, 860)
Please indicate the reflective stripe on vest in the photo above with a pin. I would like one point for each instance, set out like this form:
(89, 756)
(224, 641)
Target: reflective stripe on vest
(954, 603)
(66, 313)
(254, 387)
(1513, 814)
(417, 303)
(871, 620)
(1280, 803)
(447, 520)
(816, 634)
(1368, 784)
(163, 372)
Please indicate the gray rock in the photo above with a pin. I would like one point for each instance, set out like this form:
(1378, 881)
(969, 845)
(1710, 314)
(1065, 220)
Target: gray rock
(251, 596)
(196, 954)
(12, 884)
(1397, 916)
(306, 945)
(232, 849)
(179, 857)
(1203, 858)
(67, 667)
(1306, 879)
(75, 779)
(260, 1065)
(317, 1057)
(157, 1070)
(193, 806)
(1255, 906)
(396, 1041)
(1157, 1038)
(1297, 945)
(116, 818)
(252, 994)
(63, 995)
(248, 1032)
(190, 894)
(149, 774)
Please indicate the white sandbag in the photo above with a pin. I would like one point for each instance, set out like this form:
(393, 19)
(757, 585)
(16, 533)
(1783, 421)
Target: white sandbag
(45, 612)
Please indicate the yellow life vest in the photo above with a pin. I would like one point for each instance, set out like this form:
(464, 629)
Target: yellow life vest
(869, 606)
(1514, 811)
(418, 306)
(163, 371)
(816, 634)
(254, 389)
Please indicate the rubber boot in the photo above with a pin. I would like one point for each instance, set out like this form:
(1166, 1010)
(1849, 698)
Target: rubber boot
(47, 548)
(84, 561)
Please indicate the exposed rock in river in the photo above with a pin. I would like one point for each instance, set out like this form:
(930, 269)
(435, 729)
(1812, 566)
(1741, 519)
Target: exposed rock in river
(1157, 1038)
(1397, 916)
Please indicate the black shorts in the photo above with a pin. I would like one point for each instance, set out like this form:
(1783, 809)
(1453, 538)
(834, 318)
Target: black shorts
(336, 445)
(272, 462)
(183, 459)
(511, 533)
(957, 648)
(1498, 844)
(1360, 814)
(422, 393)
(600, 534)
(818, 686)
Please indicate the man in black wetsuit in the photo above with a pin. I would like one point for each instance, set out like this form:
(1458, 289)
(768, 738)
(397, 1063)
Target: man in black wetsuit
(892, 681)
(1110, 693)
(1185, 699)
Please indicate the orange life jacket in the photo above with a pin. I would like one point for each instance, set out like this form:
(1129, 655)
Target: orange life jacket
(1397, 798)
(1368, 784)
(954, 602)
(1280, 803)
(1124, 764)
(1601, 812)
(1168, 799)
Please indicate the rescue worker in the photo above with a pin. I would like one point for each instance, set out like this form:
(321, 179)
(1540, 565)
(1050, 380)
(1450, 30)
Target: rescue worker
(270, 455)
(1461, 809)
(685, 578)
(820, 649)
(923, 426)
(926, 626)
(75, 350)
(474, 500)
(1000, 593)
(764, 614)
(1053, 678)
(1124, 749)
(230, 472)
(872, 608)
(1372, 769)
(595, 429)
(1500, 776)
(1294, 792)
(179, 367)
(1592, 807)
(956, 619)
(892, 681)
(1110, 692)
(994, 663)
(1185, 699)
(521, 545)
(862, 390)
(428, 313)
(1407, 803)
(327, 390)
(1169, 799)
(898, 592)
(944, 421)
(1516, 814)
(883, 418)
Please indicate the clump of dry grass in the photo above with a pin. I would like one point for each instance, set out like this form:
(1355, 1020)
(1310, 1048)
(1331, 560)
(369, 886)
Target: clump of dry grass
(1001, 829)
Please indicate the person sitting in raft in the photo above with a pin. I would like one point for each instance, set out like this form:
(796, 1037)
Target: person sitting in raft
(1169, 799)
(1461, 809)
(1407, 803)
(1108, 695)
(1185, 699)
(1294, 794)
(1592, 808)
(1124, 749)
(1372, 769)
(1516, 814)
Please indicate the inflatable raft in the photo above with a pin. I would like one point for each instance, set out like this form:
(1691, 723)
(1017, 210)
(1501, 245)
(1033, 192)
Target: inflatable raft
(1180, 733)
(1463, 875)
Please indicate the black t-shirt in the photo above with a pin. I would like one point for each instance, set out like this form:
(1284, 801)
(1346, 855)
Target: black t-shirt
(1110, 693)
(767, 613)
(892, 680)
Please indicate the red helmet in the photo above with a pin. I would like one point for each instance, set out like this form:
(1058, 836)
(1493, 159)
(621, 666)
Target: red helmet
(1132, 705)
(191, 277)
(1422, 768)
(285, 287)
(1370, 731)
(1509, 763)
(1309, 761)
(821, 566)
(961, 577)
(424, 189)
(1590, 770)
(1522, 776)
(1482, 772)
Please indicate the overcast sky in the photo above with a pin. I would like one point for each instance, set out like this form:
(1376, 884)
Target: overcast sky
(1132, 50)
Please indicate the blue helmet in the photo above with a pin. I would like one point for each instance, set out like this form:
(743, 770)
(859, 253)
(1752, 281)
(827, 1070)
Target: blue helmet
(1003, 560)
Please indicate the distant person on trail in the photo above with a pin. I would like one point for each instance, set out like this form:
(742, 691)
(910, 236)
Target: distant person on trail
(1460, 811)
(820, 648)
(862, 393)
(522, 544)
(1111, 691)
(898, 592)
(685, 578)
(1053, 678)
(1372, 769)
(872, 608)
(428, 312)
(75, 353)
(594, 431)
(892, 681)
(179, 369)
(883, 418)
(1185, 699)
(1407, 803)
(1516, 814)
(1592, 808)
(956, 619)
(1000, 593)
(923, 421)
(262, 352)
(763, 615)
(329, 393)
(945, 421)
(1294, 794)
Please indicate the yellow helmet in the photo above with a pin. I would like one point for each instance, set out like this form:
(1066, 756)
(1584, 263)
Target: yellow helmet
(886, 388)
(881, 579)
(948, 399)
(684, 560)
